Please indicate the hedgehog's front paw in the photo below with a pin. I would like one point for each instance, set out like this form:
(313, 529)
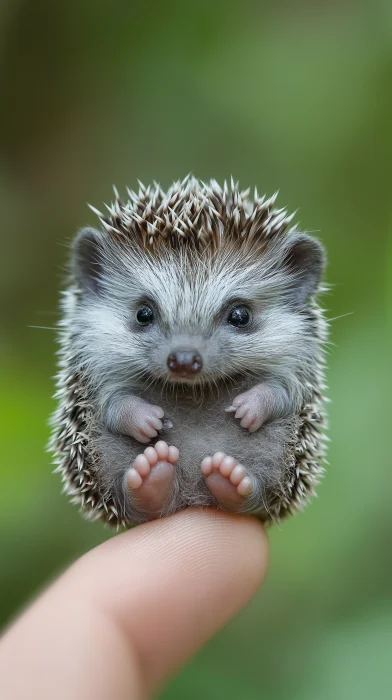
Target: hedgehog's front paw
(150, 479)
(251, 407)
(227, 480)
(145, 421)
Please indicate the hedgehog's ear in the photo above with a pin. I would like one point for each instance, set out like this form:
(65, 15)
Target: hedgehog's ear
(305, 258)
(86, 258)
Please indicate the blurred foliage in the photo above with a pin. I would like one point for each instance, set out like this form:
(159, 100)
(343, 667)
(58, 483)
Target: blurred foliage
(291, 95)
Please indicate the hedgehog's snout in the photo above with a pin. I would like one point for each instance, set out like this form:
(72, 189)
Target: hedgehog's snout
(185, 363)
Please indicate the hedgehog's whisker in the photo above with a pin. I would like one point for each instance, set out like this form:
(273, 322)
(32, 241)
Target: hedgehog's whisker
(336, 318)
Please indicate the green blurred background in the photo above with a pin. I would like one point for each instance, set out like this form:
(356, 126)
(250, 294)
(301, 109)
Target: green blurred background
(289, 95)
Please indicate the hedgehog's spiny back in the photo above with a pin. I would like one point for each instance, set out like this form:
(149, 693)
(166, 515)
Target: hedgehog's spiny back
(194, 212)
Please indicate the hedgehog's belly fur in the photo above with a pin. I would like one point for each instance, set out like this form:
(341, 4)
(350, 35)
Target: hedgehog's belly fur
(199, 431)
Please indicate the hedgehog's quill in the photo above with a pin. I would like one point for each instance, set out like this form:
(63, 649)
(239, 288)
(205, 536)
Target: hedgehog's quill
(191, 357)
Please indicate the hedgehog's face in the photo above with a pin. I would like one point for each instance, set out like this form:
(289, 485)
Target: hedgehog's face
(194, 318)
(194, 337)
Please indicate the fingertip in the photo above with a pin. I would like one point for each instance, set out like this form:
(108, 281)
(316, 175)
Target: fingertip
(135, 608)
(188, 573)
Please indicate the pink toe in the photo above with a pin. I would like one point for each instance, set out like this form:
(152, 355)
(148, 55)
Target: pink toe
(157, 411)
(142, 465)
(206, 466)
(226, 466)
(173, 455)
(238, 473)
(162, 449)
(242, 410)
(217, 458)
(245, 486)
(151, 454)
(237, 401)
(247, 420)
(134, 479)
(149, 431)
(254, 426)
(156, 423)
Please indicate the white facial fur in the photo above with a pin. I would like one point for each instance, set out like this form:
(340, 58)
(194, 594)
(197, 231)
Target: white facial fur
(191, 295)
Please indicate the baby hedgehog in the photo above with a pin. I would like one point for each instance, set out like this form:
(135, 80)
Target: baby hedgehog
(191, 359)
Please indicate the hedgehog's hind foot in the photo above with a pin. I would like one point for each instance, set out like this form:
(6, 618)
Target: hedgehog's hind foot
(150, 479)
(227, 480)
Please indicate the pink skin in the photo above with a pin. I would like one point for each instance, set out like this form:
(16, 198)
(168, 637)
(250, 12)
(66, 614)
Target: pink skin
(142, 421)
(252, 407)
(143, 463)
(146, 422)
(150, 479)
(230, 469)
(137, 418)
(227, 480)
(151, 476)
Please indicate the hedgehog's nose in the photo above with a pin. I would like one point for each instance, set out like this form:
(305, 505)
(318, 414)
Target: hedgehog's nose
(185, 362)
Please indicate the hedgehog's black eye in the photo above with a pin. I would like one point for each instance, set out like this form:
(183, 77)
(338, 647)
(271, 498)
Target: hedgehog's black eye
(144, 315)
(239, 317)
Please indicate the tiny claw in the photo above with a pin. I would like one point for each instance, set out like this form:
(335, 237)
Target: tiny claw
(238, 400)
(230, 409)
(167, 425)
